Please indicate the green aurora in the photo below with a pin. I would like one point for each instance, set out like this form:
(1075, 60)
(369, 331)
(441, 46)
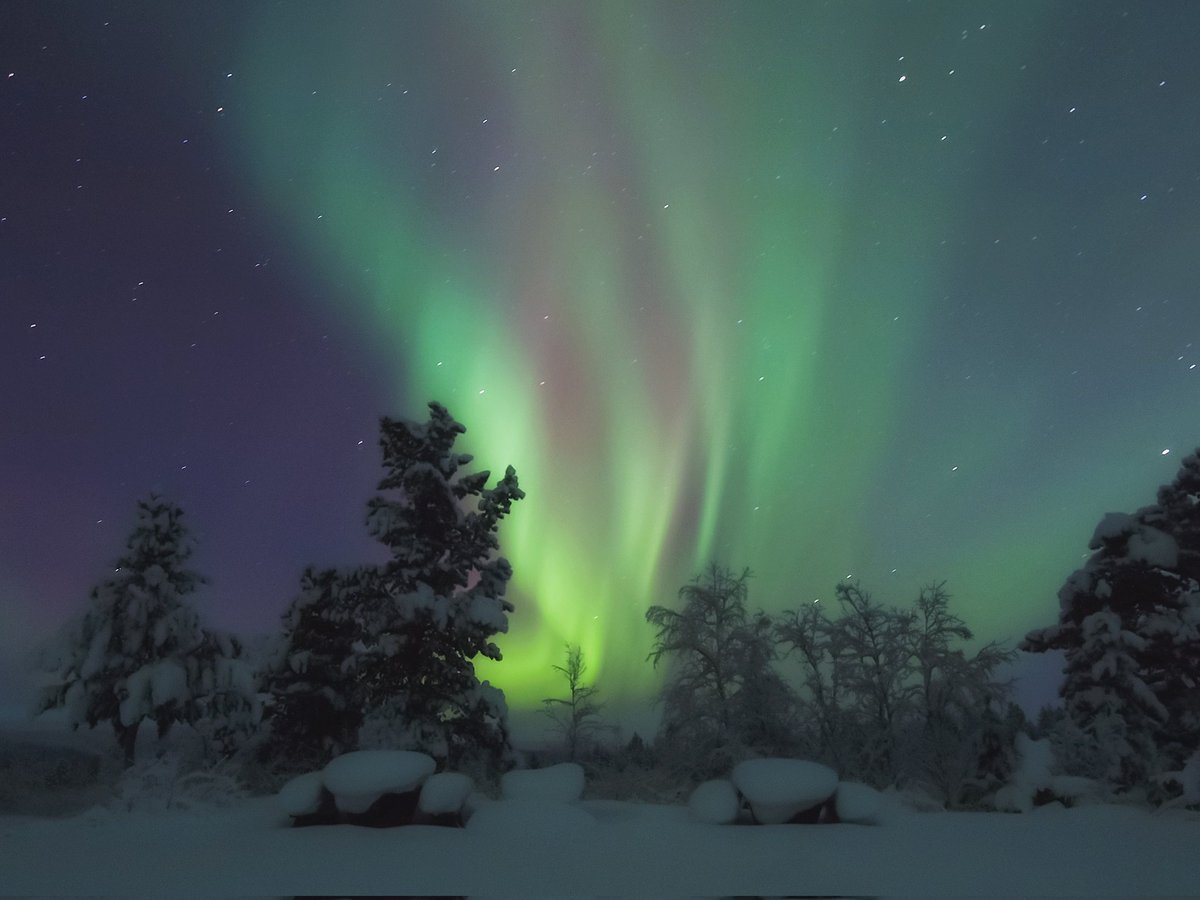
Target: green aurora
(688, 268)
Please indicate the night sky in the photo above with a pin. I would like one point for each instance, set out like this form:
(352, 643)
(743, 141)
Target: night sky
(896, 291)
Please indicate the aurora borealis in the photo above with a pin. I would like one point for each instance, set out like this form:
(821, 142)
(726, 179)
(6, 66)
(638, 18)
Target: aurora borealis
(897, 292)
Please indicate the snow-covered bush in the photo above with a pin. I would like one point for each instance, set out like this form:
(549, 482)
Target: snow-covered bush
(163, 783)
(1034, 782)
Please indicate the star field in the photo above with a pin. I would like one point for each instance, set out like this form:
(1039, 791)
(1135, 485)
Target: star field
(901, 293)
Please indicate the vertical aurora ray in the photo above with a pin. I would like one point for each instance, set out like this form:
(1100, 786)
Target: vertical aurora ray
(673, 278)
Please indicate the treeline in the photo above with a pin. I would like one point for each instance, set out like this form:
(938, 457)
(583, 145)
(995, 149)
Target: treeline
(382, 655)
(368, 655)
(882, 694)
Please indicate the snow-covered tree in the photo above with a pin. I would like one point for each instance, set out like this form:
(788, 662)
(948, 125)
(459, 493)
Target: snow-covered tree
(892, 695)
(440, 599)
(577, 716)
(1129, 625)
(139, 652)
(721, 698)
(381, 656)
(316, 704)
(873, 647)
(960, 733)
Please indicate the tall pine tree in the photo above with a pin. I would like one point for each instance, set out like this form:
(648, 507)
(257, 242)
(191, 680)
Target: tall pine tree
(316, 704)
(440, 599)
(382, 656)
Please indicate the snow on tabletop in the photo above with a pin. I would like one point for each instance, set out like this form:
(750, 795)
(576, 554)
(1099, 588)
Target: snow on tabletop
(359, 778)
(715, 802)
(779, 788)
(530, 820)
(302, 795)
(444, 792)
(858, 803)
(561, 783)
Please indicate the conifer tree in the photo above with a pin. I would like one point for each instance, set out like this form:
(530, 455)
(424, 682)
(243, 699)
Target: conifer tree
(381, 656)
(139, 651)
(1129, 624)
(316, 704)
(440, 599)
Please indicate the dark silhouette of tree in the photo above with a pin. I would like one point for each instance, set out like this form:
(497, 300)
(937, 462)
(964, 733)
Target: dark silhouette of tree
(577, 717)
(383, 655)
(721, 699)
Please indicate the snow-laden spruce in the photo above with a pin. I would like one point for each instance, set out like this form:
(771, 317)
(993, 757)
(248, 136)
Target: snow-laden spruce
(1129, 624)
(139, 652)
(381, 656)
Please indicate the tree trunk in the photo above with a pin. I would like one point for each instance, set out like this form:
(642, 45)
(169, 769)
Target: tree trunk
(127, 739)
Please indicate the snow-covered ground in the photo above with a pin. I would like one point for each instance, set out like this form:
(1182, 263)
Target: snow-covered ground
(630, 849)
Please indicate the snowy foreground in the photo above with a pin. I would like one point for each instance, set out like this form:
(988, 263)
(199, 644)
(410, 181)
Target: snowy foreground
(629, 849)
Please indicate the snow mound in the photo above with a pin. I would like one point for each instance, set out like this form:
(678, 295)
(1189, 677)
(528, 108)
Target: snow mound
(562, 783)
(779, 789)
(530, 820)
(302, 795)
(444, 793)
(1077, 789)
(715, 801)
(857, 803)
(359, 778)
(1032, 774)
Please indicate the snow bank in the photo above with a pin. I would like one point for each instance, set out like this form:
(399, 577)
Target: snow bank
(1032, 775)
(530, 820)
(562, 783)
(445, 792)
(302, 795)
(359, 778)
(715, 802)
(857, 803)
(779, 789)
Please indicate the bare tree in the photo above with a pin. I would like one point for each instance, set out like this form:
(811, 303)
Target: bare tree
(812, 638)
(721, 696)
(874, 645)
(578, 716)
